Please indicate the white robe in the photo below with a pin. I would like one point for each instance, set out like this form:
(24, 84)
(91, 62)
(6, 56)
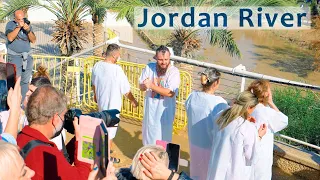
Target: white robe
(276, 121)
(159, 111)
(201, 108)
(111, 84)
(234, 148)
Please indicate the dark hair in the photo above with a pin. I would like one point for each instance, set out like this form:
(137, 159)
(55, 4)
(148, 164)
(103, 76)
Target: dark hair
(163, 49)
(40, 81)
(110, 49)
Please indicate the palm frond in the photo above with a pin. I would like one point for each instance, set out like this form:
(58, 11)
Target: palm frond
(224, 39)
(12, 5)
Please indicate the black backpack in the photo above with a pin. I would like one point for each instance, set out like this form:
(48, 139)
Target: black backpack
(34, 143)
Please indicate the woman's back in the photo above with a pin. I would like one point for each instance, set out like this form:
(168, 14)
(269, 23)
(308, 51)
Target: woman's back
(234, 148)
(201, 108)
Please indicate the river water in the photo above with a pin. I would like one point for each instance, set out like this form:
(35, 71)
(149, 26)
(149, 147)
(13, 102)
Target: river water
(265, 53)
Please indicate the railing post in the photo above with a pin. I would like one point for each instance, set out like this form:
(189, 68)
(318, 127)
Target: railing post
(172, 54)
(243, 79)
(78, 80)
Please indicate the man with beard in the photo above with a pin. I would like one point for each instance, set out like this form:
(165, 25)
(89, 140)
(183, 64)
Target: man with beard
(45, 113)
(161, 81)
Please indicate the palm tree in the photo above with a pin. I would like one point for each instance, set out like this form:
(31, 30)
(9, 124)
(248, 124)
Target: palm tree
(12, 5)
(69, 33)
(98, 10)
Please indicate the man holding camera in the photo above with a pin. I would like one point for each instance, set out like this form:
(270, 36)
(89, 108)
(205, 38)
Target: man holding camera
(19, 34)
(46, 121)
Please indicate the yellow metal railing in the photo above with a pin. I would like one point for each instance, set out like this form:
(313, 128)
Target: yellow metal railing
(73, 76)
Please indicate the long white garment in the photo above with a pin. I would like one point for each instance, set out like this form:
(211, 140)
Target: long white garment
(201, 108)
(111, 84)
(276, 121)
(4, 117)
(159, 111)
(234, 148)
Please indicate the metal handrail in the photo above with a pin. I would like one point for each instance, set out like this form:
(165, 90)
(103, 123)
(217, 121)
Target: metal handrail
(297, 141)
(233, 71)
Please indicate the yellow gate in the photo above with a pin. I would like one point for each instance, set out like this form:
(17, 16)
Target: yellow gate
(73, 76)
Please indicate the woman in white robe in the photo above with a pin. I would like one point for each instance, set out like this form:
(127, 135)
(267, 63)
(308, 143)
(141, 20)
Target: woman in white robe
(235, 140)
(201, 107)
(266, 112)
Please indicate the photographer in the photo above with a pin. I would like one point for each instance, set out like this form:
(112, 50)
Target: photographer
(19, 34)
(45, 113)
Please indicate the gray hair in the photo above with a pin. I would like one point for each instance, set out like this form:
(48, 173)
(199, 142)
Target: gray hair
(43, 103)
(137, 167)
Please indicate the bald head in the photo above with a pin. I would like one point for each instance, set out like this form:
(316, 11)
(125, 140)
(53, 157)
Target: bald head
(18, 16)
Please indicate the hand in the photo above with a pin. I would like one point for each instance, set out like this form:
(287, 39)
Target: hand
(262, 130)
(251, 119)
(135, 104)
(148, 83)
(26, 27)
(153, 168)
(109, 176)
(270, 99)
(14, 97)
(20, 24)
(76, 128)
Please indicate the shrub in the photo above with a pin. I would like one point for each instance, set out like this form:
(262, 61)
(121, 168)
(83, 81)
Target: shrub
(303, 110)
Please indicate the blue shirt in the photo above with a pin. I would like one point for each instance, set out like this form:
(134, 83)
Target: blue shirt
(21, 43)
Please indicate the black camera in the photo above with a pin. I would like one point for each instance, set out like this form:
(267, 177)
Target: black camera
(26, 21)
(108, 116)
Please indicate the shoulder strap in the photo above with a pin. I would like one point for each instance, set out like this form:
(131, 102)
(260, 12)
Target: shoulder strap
(31, 145)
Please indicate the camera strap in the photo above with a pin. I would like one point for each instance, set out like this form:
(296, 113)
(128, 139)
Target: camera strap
(64, 150)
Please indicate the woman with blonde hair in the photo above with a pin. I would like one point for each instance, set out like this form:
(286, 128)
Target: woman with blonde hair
(136, 170)
(12, 165)
(267, 113)
(235, 140)
(202, 107)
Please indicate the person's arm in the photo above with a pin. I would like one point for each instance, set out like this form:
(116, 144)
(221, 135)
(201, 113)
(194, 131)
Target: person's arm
(13, 34)
(31, 36)
(162, 91)
(14, 101)
(132, 99)
(142, 78)
(94, 93)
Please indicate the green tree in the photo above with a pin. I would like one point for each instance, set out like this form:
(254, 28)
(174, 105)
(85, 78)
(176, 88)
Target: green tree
(98, 10)
(11, 6)
(69, 33)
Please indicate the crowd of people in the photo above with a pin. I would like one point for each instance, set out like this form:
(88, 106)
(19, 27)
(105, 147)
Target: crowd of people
(227, 141)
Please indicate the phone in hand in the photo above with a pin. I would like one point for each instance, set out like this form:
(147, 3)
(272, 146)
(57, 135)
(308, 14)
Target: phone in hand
(173, 151)
(11, 75)
(105, 148)
(7, 80)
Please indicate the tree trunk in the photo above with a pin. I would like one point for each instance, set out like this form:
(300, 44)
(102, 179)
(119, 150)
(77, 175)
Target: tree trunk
(98, 38)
